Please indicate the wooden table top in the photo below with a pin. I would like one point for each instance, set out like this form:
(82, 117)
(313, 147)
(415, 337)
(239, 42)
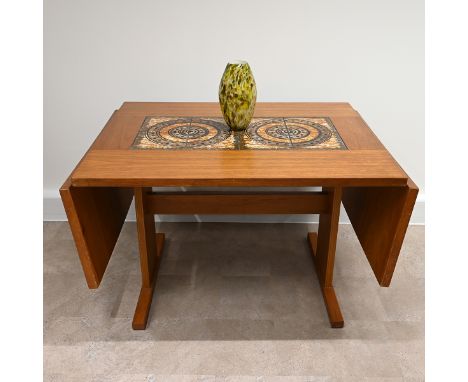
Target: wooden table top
(111, 161)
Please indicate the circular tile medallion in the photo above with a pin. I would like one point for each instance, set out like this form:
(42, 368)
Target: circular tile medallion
(298, 132)
(188, 133)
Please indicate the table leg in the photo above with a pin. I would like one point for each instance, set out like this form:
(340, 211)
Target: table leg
(323, 246)
(151, 247)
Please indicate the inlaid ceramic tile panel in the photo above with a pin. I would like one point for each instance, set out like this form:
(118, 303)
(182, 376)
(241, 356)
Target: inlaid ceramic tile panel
(317, 133)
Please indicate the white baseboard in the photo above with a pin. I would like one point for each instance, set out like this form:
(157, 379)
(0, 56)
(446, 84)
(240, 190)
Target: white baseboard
(53, 211)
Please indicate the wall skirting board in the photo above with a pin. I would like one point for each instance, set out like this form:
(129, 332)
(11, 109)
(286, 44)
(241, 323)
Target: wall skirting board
(53, 211)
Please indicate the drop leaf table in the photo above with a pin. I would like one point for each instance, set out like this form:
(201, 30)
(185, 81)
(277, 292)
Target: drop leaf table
(147, 146)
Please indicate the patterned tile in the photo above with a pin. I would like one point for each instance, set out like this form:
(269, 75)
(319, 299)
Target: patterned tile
(172, 133)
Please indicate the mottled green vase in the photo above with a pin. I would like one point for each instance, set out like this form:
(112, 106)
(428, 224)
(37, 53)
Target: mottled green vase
(237, 95)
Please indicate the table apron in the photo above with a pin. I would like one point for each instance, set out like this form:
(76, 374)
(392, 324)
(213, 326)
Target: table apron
(225, 203)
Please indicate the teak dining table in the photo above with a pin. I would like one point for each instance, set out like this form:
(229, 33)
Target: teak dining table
(377, 194)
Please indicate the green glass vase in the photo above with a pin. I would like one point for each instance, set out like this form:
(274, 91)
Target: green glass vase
(237, 95)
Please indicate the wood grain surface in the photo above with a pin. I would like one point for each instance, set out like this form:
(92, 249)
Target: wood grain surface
(111, 162)
(323, 246)
(127, 168)
(377, 194)
(96, 216)
(122, 128)
(214, 203)
(380, 217)
(151, 246)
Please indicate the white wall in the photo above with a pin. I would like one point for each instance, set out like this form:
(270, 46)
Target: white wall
(99, 53)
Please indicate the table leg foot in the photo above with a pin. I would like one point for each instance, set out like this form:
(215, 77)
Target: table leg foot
(333, 308)
(140, 317)
(328, 292)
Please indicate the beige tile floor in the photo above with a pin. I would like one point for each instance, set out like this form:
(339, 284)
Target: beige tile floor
(234, 302)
